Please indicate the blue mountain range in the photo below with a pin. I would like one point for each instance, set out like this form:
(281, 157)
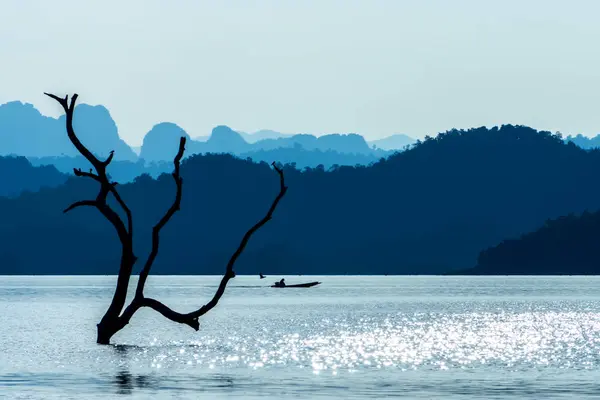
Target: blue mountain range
(26, 132)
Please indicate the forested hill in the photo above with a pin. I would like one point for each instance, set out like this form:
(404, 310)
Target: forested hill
(566, 245)
(18, 175)
(430, 209)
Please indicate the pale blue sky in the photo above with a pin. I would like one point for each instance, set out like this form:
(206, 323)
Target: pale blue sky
(373, 67)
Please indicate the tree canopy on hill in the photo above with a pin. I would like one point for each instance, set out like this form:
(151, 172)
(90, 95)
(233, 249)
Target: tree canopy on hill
(127, 171)
(566, 245)
(430, 209)
(18, 175)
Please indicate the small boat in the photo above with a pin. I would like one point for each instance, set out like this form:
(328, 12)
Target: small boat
(309, 284)
(262, 276)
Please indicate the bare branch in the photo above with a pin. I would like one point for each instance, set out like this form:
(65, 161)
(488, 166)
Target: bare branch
(69, 110)
(174, 316)
(156, 305)
(192, 319)
(127, 256)
(63, 102)
(82, 203)
(115, 193)
(73, 100)
(217, 296)
(259, 224)
(163, 221)
(79, 172)
(100, 175)
(229, 273)
(109, 159)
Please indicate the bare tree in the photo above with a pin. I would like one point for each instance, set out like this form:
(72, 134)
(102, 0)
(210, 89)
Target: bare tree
(118, 315)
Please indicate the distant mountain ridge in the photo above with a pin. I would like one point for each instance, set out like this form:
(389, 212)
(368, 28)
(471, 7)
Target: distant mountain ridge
(262, 135)
(223, 139)
(18, 175)
(585, 142)
(26, 132)
(160, 140)
(394, 142)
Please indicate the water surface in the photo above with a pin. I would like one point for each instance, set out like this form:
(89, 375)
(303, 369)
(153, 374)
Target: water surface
(351, 337)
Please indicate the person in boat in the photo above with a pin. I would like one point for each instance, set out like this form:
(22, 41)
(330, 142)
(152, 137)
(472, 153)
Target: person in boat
(282, 282)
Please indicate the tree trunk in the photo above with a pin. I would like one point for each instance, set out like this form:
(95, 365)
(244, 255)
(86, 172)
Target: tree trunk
(106, 329)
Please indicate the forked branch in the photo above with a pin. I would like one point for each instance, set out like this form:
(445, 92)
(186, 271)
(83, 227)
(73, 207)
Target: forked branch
(125, 233)
(163, 221)
(191, 319)
(229, 273)
(69, 109)
(100, 176)
(79, 172)
(82, 203)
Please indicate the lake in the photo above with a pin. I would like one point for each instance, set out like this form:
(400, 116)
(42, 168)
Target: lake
(351, 337)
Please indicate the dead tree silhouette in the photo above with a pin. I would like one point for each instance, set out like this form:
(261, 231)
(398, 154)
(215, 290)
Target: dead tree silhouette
(118, 315)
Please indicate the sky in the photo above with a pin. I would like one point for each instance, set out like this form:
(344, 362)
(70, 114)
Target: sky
(373, 67)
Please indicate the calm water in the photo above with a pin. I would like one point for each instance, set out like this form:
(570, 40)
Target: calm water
(351, 337)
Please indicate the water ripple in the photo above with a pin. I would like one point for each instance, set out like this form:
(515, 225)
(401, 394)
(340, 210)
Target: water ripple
(432, 341)
(509, 341)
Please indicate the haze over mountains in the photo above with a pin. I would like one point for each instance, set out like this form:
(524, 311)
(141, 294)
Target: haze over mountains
(394, 142)
(18, 176)
(584, 141)
(25, 131)
(158, 143)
